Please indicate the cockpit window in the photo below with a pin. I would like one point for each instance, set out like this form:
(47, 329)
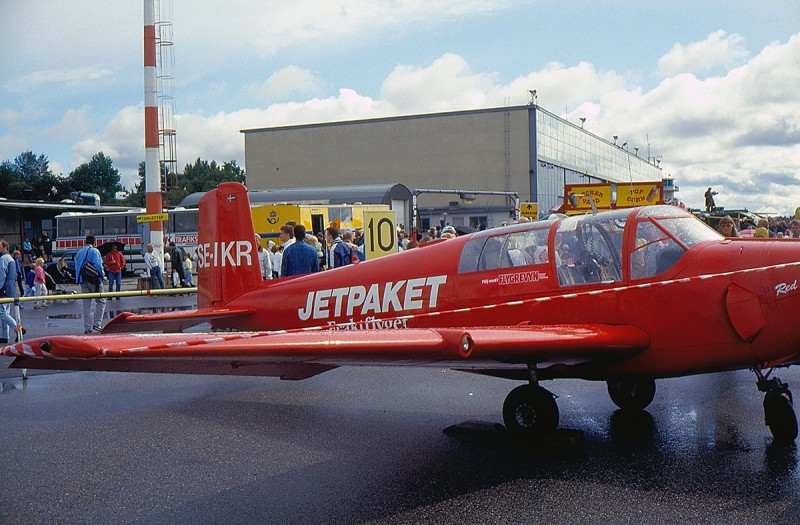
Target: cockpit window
(530, 247)
(494, 254)
(590, 248)
(518, 248)
(471, 254)
(655, 251)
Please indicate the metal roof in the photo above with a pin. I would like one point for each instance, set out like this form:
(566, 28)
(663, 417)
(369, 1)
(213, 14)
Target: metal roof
(363, 193)
(60, 206)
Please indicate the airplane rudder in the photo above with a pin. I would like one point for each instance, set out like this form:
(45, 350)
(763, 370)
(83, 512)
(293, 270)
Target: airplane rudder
(229, 259)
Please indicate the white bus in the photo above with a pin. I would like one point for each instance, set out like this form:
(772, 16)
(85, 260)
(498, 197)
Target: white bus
(73, 227)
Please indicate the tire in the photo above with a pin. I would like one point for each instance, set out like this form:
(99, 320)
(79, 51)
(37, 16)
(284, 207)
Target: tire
(530, 411)
(780, 417)
(632, 394)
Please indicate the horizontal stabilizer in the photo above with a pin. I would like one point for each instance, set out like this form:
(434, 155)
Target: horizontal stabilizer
(178, 321)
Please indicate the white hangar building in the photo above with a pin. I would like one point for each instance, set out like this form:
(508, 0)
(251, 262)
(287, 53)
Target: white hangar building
(522, 149)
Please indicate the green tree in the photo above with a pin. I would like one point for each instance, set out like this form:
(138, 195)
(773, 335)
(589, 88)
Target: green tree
(10, 180)
(97, 176)
(205, 176)
(31, 167)
(29, 177)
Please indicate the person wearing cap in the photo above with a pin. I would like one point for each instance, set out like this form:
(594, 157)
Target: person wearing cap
(761, 232)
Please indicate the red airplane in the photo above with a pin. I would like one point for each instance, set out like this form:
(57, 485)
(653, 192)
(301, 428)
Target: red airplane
(625, 296)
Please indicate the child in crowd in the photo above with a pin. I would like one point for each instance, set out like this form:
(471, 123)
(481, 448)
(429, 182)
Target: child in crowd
(39, 288)
(29, 285)
(187, 270)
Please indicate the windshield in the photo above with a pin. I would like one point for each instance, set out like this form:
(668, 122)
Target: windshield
(663, 234)
(690, 231)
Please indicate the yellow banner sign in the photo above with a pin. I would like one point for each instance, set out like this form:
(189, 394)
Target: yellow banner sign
(639, 194)
(529, 209)
(380, 234)
(152, 217)
(600, 193)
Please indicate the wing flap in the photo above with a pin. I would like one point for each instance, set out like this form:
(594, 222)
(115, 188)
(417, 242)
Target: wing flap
(564, 344)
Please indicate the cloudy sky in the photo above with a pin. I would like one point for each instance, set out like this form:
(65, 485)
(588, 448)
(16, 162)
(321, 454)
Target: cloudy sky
(714, 85)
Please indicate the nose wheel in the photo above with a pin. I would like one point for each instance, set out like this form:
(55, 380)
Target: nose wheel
(779, 414)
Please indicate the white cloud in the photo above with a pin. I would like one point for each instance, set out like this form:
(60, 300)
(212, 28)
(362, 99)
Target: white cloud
(718, 49)
(558, 86)
(61, 77)
(283, 24)
(716, 131)
(285, 83)
(122, 140)
(446, 84)
(738, 131)
(74, 123)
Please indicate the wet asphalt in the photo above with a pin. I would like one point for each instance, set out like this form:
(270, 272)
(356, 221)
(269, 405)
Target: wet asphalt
(376, 445)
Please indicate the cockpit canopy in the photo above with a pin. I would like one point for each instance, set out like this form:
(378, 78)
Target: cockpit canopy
(591, 248)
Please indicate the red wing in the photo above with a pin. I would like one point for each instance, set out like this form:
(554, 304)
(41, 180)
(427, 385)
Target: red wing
(305, 353)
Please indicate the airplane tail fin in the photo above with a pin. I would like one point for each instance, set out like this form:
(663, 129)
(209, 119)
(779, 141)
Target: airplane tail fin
(227, 255)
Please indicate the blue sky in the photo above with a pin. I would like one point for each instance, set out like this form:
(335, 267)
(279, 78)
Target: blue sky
(713, 84)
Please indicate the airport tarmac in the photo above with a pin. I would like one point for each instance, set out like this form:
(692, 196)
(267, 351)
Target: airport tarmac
(368, 445)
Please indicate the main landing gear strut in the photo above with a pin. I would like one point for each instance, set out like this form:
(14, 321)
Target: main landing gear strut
(779, 413)
(530, 410)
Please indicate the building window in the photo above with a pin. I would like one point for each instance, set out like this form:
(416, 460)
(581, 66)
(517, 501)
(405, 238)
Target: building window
(479, 222)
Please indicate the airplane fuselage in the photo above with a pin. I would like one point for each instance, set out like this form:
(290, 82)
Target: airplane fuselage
(724, 304)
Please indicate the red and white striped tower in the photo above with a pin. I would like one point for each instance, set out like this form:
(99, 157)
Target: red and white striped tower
(152, 171)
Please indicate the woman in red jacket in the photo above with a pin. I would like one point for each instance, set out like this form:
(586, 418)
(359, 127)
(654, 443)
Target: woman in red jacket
(114, 263)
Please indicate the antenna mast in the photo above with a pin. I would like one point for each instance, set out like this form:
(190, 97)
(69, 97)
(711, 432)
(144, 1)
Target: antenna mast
(165, 76)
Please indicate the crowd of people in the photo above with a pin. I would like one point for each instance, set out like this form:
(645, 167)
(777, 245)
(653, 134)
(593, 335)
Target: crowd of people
(773, 228)
(41, 247)
(302, 252)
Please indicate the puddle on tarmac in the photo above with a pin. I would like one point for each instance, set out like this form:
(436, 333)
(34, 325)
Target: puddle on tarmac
(65, 316)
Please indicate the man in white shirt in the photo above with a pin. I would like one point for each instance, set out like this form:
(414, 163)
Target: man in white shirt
(286, 235)
(264, 259)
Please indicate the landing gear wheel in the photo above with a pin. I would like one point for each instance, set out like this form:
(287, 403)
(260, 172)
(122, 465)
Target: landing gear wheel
(632, 394)
(530, 411)
(780, 417)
